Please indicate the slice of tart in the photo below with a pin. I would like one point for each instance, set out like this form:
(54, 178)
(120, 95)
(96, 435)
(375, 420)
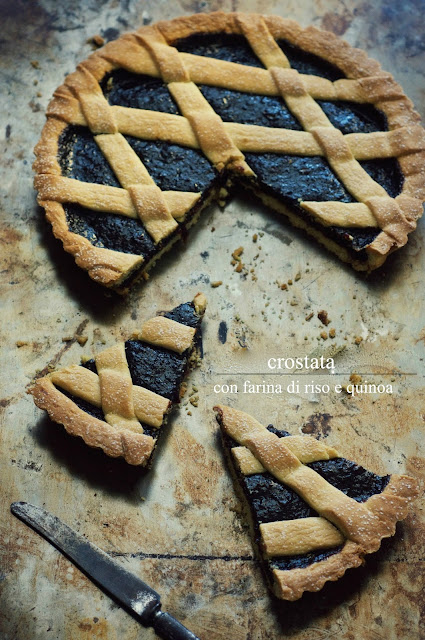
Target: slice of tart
(120, 400)
(314, 514)
(148, 130)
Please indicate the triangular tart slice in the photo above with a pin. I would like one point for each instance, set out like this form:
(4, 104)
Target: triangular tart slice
(119, 401)
(314, 513)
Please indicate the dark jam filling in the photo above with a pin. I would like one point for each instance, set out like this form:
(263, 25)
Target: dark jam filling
(173, 167)
(248, 108)
(351, 117)
(153, 368)
(222, 46)
(111, 231)
(311, 178)
(271, 501)
(136, 91)
(290, 179)
(308, 63)
(80, 157)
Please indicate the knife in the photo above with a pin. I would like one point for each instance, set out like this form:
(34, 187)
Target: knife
(134, 595)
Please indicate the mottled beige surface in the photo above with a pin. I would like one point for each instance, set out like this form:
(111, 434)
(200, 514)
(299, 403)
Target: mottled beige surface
(180, 526)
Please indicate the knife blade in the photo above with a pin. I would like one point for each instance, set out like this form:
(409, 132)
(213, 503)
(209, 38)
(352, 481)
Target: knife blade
(134, 595)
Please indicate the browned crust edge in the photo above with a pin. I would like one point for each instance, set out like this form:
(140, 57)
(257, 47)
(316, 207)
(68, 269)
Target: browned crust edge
(391, 506)
(290, 585)
(109, 271)
(133, 447)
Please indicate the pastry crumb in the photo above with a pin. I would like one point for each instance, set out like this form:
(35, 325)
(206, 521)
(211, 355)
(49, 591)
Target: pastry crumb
(324, 335)
(222, 197)
(216, 283)
(355, 378)
(309, 317)
(332, 333)
(237, 253)
(35, 64)
(255, 237)
(358, 339)
(21, 343)
(82, 340)
(96, 41)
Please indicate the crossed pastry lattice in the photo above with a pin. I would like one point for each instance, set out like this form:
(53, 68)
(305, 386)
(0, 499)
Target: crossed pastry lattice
(341, 521)
(80, 101)
(125, 406)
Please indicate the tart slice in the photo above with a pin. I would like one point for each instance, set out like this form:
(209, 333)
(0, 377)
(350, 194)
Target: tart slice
(314, 513)
(119, 401)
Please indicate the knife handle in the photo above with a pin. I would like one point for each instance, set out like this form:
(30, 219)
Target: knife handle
(169, 628)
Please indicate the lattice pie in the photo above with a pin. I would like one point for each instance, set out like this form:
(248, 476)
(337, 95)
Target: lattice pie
(147, 131)
(314, 513)
(119, 401)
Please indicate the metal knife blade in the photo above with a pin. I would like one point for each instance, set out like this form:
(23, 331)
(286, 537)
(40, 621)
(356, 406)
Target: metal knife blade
(131, 592)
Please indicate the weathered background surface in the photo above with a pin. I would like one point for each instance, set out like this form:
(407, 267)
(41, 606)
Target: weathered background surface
(180, 526)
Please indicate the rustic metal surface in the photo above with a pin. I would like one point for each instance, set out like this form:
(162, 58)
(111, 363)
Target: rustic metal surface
(180, 526)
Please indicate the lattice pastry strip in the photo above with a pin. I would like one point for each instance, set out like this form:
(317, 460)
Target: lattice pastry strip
(81, 102)
(125, 406)
(357, 526)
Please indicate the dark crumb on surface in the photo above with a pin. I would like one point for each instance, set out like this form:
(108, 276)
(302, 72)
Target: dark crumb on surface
(323, 317)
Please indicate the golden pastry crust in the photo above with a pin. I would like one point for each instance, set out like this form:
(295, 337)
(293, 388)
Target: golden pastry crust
(135, 448)
(293, 537)
(124, 405)
(360, 525)
(163, 332)
(150, 51)
(149, 407)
